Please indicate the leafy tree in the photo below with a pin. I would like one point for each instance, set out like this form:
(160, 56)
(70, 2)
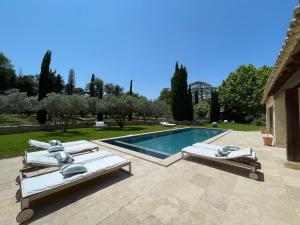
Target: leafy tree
(7, 73)
(201, 109)
(44, 85)
(64, 107)
(117, 106)
(4, 105)
(160, 108)
(114, 89)
(165, 95)
(143, 107)
(58, 86)
(214, 107)
(179, 93)
(92, 105)
(27, 84)
(18, 102)
(79, 91)
(190, 110)
(240, 94)
(71, 82)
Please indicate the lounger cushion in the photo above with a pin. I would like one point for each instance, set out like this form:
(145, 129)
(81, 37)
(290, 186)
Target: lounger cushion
(73, 168)
(231, 148)
(44, 182)
(39, 144)
(55, 148)
(54, 142)
(211, 153)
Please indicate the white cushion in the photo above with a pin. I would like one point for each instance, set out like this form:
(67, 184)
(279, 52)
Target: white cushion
(55, 148)
(73, 168)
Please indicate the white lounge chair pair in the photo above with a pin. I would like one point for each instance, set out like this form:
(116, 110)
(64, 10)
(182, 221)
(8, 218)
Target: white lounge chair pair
(36, 187)
(167, 124)
(245, 158)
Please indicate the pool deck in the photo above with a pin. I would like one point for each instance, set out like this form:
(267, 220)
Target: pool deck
(187, 192)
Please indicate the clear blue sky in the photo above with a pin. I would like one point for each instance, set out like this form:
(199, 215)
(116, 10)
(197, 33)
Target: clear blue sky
(142, 39)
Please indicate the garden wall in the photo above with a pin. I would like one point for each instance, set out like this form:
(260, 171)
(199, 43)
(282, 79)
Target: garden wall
(30, 128)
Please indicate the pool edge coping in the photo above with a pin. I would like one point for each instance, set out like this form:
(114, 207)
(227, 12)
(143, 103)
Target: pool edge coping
(162, 162)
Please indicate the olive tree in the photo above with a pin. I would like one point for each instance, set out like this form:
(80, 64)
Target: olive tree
(64, 107)
(116, 106)
(3, 104)
(143, 107)
(160, 108)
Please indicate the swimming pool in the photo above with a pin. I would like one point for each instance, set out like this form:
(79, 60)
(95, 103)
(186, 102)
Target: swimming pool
(167, 143)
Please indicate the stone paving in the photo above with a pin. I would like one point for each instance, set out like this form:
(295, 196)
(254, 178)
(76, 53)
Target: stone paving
(188, 192)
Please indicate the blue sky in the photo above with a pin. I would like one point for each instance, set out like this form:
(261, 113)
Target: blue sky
(142, 39)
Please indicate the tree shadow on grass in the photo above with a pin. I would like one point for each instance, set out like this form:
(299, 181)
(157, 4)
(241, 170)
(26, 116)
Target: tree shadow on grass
(54, 202)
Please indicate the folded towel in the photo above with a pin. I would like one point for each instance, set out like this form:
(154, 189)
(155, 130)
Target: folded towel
(231, 148)
(54, 142)
(63, 157)
(222, 152)
(72, 169)
(55, 148)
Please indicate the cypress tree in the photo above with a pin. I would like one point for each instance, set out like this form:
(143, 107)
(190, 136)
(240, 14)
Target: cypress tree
(196, 97)
(214, 107)
(99, 86)
(71, 82)
(44, 85)
(179, 93)
(130, 93)
(92, 86)
(190, 110)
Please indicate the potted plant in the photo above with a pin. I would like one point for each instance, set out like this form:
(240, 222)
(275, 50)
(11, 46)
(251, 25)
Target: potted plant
(262, 130)
(268, 140)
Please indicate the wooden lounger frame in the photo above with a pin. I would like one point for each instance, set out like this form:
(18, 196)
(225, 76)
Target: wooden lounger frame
(244, 162)
(25, 202)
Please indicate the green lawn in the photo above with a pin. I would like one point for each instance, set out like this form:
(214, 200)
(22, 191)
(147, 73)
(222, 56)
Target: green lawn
(12, 145)
(17, 120)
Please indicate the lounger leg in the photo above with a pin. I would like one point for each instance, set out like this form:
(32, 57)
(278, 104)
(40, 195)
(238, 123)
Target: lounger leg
(129, 167)
(24, 203)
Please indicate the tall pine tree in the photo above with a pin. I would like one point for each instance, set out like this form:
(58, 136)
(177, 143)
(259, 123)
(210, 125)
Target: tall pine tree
(179, 93)
(190, 110)
(44, 85)
(71, 82)
(92, 86)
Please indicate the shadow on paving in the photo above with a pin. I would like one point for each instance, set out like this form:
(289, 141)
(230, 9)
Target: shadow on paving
(226, 168)
(54, 202)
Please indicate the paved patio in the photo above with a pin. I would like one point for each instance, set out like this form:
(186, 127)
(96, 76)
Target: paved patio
(187, 192)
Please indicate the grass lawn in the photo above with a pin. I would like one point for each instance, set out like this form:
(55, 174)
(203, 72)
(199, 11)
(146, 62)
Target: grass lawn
(17, 120)
(12, 145)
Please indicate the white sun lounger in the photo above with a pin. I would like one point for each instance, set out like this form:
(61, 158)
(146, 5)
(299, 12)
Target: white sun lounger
(166, 124)
(72, 147)
(244, 158)
(49, 161)
(37, 187)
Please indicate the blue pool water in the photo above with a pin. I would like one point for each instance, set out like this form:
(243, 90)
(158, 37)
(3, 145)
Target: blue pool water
(165, 144)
